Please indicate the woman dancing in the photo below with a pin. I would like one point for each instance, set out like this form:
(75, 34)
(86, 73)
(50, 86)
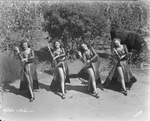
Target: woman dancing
(29, 79)
(121, 70)
(91, 69)
(60, 71)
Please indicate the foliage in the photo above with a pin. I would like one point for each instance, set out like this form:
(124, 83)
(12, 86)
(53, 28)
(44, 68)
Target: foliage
(19, 21)
(10, 68)
(87, 21)
(70, 22)
(130, 15)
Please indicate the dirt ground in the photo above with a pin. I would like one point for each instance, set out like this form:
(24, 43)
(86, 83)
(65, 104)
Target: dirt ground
(78, 105)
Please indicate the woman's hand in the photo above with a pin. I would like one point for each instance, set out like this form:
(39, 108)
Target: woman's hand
(79, 53)
(25, 60)
(122, 57)
(17, 49)
(56, 57)
(88, 61)
(129, 55)
(48, 47)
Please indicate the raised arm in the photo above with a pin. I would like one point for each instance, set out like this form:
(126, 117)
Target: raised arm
(20, 56)
(81, 56)
(51, 53)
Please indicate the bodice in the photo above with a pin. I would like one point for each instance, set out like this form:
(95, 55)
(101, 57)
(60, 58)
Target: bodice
(29, 55)
(25, 55)
(59, 52)
(121, 52)
(89, 55)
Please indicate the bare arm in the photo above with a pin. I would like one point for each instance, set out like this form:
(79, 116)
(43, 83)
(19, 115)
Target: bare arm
(63, 54)
(128, 54)
(126, 50)
(32, 54)
(82, 57)
(54, 58)
(116, 53)
(51, 53)
(95, 55)
(21, 58)
(17, 50)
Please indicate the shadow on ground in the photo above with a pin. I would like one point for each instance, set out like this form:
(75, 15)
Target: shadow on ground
(79, 88)
(48, 72)
(114, 87)
(83, 88)
(47, 88)
(44, 86)
(11, 89)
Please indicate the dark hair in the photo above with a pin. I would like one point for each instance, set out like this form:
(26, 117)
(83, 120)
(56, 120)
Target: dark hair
(81, 48)
(21, 44)
(55, 42)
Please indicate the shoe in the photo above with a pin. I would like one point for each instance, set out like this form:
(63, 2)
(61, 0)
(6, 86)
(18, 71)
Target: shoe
(124, 92)
(96, 95)
(65, 91)
(63, 96)
(128, 88)
(102, 87)
(31, 100)
(89, 91)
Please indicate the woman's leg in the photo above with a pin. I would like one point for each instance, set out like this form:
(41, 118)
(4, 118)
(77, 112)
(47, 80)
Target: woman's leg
(62, 80)
(30, 86)
(30, 82)
(121, 76)
(92, 79)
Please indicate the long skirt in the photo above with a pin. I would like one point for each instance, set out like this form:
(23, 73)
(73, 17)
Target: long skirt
(55, 84)
(84, 75)
(29, 77)
(113, 79)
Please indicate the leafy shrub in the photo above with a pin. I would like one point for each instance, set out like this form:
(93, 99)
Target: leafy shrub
(10, 68)
(88, 21)
(70, 22)
(18, 21)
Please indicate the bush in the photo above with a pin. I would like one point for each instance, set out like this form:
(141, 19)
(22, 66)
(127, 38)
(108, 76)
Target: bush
(19, 20)
(129, 15)
(10, 68)
(71, 21)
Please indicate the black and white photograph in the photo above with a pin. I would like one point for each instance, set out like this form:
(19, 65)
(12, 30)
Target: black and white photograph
(74, 60)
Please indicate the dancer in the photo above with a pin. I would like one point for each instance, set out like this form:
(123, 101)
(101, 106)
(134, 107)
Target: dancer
(60, 71)
(29, 79)
(91, 69)
(121, 70)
